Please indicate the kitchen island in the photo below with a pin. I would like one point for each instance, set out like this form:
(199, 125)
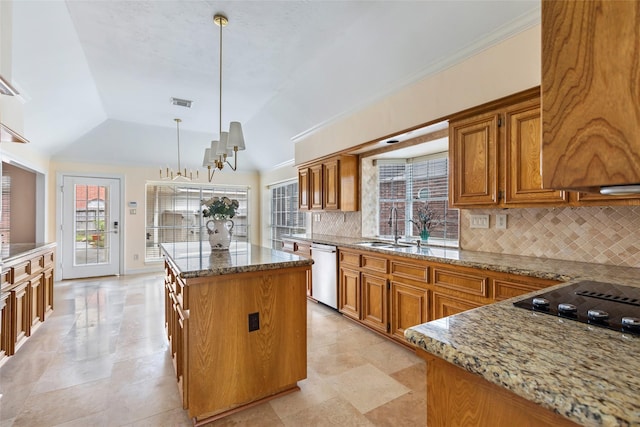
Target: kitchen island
(236, 324)
(500, 365)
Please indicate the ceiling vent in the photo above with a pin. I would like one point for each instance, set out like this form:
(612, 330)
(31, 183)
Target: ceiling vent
(181, 102)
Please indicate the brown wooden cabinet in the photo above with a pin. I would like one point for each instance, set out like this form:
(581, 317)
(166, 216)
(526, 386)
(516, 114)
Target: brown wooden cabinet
(590, 74)
(494, 153)
(26, 296)
(330, 184)
(245, 362)
(389, 293)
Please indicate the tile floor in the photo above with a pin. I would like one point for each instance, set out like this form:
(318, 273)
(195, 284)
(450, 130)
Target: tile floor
(101, 359)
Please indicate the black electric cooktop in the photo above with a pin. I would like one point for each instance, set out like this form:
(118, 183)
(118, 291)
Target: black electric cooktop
(606, 305)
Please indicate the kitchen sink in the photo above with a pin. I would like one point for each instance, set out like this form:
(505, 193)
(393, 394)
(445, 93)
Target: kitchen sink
(385, 245)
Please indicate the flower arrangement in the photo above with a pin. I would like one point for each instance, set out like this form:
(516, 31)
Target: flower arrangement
(220, 208)
(427, 220)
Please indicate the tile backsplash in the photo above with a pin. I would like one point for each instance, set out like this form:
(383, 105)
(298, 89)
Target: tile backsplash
(606, 235)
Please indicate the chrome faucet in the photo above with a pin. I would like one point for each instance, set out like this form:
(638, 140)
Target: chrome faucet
(394, 224)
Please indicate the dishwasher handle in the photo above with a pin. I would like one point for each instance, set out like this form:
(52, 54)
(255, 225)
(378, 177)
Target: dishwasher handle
(323, 248)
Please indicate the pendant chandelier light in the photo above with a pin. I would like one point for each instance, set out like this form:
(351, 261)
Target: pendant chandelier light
(180, 173)
(216, 156)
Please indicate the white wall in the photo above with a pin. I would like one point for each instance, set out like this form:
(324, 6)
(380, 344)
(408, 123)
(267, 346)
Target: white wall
(506, 68)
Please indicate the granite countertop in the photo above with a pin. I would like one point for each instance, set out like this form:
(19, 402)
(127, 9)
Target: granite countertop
(542, 268)
(196, 259)
(587, 374)
(11, 251)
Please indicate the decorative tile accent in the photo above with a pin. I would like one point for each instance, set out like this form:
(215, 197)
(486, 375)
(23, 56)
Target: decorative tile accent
(605, 235)
(347, 224)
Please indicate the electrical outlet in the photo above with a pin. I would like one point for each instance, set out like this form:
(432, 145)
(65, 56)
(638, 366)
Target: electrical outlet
(135, 257)
(317, 217)
(132, 211)
(254, 321)
(479, 221)
(501, 221)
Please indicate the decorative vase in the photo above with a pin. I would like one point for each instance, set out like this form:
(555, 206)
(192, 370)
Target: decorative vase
(424, 235)
(219, 234)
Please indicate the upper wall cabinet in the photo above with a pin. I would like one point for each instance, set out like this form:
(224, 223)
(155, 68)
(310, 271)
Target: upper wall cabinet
(331, 184)
(590, 93)
(494, 153)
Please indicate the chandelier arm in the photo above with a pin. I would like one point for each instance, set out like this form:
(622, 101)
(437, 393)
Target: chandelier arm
(235, 160)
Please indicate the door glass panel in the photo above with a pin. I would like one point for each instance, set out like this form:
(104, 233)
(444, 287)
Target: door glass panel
(91, 225)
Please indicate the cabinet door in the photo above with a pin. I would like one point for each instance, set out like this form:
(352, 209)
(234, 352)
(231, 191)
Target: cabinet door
(473, 155)
(315, 187)
(36, 301)
(331, 186)
(374, 302)
(5, 330)
(303, 189)
(47, 290)
(523, 180)
(590, 74)
(409, 307)
(20, 317)
(447, 305)
(349, 301)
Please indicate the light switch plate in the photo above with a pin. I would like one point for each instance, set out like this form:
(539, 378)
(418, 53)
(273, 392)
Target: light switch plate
(479, 221)
(501, 221)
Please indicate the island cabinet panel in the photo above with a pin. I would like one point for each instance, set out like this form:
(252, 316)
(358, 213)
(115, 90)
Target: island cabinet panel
(237, 338)
(456, 397)
(590, 72)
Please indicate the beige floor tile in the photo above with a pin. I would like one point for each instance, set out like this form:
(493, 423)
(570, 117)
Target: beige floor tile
(389, 357)
(333, 412)
(366, 387)
(113, 329)
(408, 410)
(59, 406)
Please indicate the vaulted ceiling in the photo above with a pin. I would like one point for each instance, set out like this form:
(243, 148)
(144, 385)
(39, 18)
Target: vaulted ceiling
(98, 76)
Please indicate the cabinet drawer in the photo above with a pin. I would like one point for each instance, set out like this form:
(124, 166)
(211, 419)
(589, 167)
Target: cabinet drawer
(461, 281)
(289, 246)
(375, 263)
(20, 272)
(410, 270)
(49, 259)
(504, 289)
(446, 305)
(349, 258)
(36, 265)
(5, 278)
(303, 249)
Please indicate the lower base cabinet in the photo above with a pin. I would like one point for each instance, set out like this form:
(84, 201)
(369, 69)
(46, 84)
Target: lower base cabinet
(389, 293)
(26, 297)
(409, 307)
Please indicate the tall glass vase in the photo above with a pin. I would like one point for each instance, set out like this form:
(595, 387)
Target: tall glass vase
(424, 235)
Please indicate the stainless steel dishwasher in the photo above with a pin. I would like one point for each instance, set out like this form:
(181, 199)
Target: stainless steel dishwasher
(324, 273)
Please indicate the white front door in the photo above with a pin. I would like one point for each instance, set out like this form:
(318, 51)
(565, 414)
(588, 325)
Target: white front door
(90, 227)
